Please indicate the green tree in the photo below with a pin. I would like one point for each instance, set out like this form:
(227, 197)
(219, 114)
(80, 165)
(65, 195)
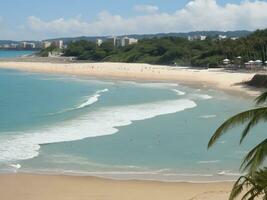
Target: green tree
(253, 164)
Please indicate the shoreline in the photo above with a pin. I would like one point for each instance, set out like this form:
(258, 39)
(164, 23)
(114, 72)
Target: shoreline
(189, 177)
(61, 187)
(230, 82)
(67, 186)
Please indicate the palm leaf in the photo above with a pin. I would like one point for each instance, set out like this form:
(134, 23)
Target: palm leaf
(260, 116)
(256, 185)
(262, 98)
(255, 157)
(252, 116)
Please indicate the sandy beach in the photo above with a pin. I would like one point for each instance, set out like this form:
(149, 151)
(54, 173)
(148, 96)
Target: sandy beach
(213, 78)
(43, 187)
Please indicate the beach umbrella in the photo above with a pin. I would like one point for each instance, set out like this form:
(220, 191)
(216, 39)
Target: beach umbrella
(258, 61)
(251, 62)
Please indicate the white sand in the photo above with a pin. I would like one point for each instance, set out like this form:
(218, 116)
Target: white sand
(214, 78)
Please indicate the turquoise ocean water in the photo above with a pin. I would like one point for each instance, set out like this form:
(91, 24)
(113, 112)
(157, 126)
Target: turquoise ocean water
(12, 54)
(117, 129)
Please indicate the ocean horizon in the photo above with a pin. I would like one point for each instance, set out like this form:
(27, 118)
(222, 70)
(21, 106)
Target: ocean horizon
(117, 129)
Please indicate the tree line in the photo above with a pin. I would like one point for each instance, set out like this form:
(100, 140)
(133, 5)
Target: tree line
(175, 50)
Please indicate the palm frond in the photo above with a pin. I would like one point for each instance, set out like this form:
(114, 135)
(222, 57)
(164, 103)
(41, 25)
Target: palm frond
(253, 115)
(259, 116)
(255, 186)
(255, 157)
(237, 188)
(261, 99)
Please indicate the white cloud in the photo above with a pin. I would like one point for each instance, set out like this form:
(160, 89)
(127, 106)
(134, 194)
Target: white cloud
(196, 15)
(146, 8)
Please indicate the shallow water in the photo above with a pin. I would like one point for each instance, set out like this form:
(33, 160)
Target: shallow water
(14, 53)
(117, 129)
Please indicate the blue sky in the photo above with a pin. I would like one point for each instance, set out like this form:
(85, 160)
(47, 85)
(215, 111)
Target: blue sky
(40, 19)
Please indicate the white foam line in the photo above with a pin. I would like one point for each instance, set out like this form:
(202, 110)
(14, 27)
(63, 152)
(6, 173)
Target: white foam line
(98, 123)
(180, 93)
(90, 100)
(202, 96)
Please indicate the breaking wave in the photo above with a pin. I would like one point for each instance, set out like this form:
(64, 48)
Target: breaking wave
(21, 146)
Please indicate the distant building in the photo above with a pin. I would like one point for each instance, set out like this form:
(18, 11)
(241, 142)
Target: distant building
(222, 37)
(14, 46)
(23, 45)
(122, 42)
(27, 45)
(58, 44)
(6, 46)
(196, 37)
(99, 42)
(234, 38)
(133, 41)
(116, 42)
(46, 44)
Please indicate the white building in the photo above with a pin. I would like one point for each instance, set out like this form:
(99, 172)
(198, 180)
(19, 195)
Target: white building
(46, 44)
(196, 37)
(125, 41)
(27, 45)
(59, 44)
(14, 46)
(99, 42)
(122, 42)
(222, 37)
(133, 41)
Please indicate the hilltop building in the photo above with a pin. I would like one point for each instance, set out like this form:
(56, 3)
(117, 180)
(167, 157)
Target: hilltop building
(99, 42)
(125, 41)
(122, 42)
(196, 37)
(222, 37)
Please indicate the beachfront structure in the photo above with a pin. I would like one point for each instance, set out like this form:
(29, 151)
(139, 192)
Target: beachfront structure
(14, 46)
(58, 44)
(226, 61)
(99, 42)
(46, 44)
(5, 46)
(257, 64)
(27, 45)
(196, 37)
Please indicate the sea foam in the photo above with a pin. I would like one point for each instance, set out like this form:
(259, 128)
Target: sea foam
(102, 122)
(179, 92)
(90, 100)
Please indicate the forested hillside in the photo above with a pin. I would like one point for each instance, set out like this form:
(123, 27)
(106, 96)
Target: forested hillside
(171, 50)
